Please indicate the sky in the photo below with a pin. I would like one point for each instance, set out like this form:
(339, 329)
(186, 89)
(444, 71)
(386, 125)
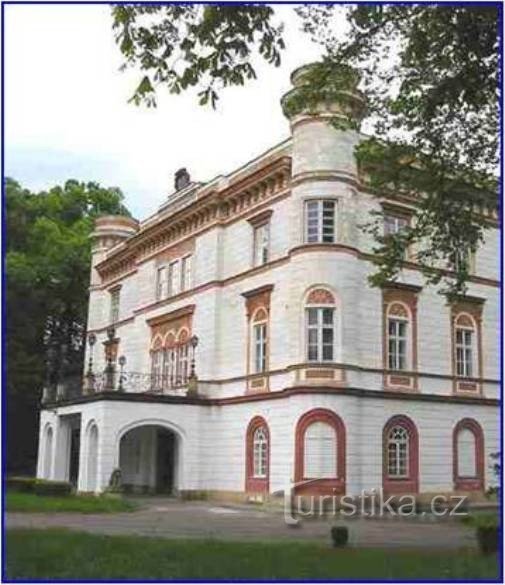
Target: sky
(67, 113)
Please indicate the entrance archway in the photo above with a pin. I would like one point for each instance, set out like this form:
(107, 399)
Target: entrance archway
(149, 459)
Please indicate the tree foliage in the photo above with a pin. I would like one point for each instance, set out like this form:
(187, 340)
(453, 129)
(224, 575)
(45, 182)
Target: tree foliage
(47, 266)
(430, 73)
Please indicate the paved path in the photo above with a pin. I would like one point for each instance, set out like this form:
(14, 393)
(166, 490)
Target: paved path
(175, 519)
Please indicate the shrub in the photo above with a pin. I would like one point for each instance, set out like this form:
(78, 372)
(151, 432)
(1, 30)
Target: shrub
(44, 487)
(487, 537)
(21, 484)
(339, 535)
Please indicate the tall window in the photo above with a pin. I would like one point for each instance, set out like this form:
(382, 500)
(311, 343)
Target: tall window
(257, 456)
(261, 244)
(182, 364)
(260, 347)
(114, 305)
(156, 369)
(169, 367)
(397, 343)
(468, 451)
(320, 451)
(462, 260)
(162, 283)
(320, 221)
(398, 452)
(260, 452)
(320, 323)
(394, 224)
(464, 350)
(173, 278)
(186, 272)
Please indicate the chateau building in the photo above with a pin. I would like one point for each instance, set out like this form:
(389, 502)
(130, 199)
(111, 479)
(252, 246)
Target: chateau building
(235, 346)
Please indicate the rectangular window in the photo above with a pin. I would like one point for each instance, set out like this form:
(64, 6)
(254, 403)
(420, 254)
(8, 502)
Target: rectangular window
(162, 283)
(114, 305)
(461, 261)
(260, 347)
(393, 224)
(397, 344)
(464, 352)
(173, 278)
(186, 273)
(261, 244)
(320, 221)
(320, 329)
(320, 451)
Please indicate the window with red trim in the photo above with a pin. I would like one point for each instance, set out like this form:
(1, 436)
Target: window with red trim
(257, 455)
(468, 455)
(400, 456)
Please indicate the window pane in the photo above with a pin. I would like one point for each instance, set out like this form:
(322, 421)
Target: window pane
(328, 316)
(312, 316)
(328, 352)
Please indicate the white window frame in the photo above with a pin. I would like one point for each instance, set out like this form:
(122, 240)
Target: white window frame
(395, 471)
(319, 205)
(162, 282)
(464, 365)
(157, 369)
(259, 346)
(260, 453)
(319, 327)
(261, 243)
(186, 272)
(174, 276)
(115, 300)
(397, 340)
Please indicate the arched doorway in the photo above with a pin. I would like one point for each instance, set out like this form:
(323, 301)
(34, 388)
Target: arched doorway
(92, 463)
(149, 459)
(48, 452)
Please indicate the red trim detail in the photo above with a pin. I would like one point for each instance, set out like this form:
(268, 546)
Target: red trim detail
(320, 486)
(469, 484)
(256, 484)
(410, 484)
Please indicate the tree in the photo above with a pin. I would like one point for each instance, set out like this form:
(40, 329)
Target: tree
(47, 267)
(430, 72)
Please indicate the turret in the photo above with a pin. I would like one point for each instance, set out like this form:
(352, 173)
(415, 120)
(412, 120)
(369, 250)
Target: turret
(109, 231)
(325, 109)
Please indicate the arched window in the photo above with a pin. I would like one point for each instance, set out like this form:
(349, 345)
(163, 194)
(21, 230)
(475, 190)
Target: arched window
(398, 337)
(398, 452)
(400, 456)
(157, 364)
(468, 455)
(260, 452)
(257, 455)
(320, 328)
(259, 341)
(320, 453)
(464, 344)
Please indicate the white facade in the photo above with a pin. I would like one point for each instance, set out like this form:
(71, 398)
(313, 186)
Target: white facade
(252, 309)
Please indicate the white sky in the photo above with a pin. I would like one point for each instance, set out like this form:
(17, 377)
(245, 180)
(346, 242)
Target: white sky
(67, 116)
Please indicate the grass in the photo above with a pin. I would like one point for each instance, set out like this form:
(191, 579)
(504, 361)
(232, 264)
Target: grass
(26, 502)
(60, 554)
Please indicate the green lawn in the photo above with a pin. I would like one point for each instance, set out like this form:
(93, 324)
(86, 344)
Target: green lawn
(26, 502)
(60, 554)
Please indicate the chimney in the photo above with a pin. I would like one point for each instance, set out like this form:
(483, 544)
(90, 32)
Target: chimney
(181, 179)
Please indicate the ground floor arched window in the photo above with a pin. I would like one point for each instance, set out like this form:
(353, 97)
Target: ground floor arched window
(320, 453)
(468, 455)
(400, 454)
(257, 455)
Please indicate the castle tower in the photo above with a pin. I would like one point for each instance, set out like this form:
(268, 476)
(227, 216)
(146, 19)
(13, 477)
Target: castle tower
(110, 230)
(325, 109)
